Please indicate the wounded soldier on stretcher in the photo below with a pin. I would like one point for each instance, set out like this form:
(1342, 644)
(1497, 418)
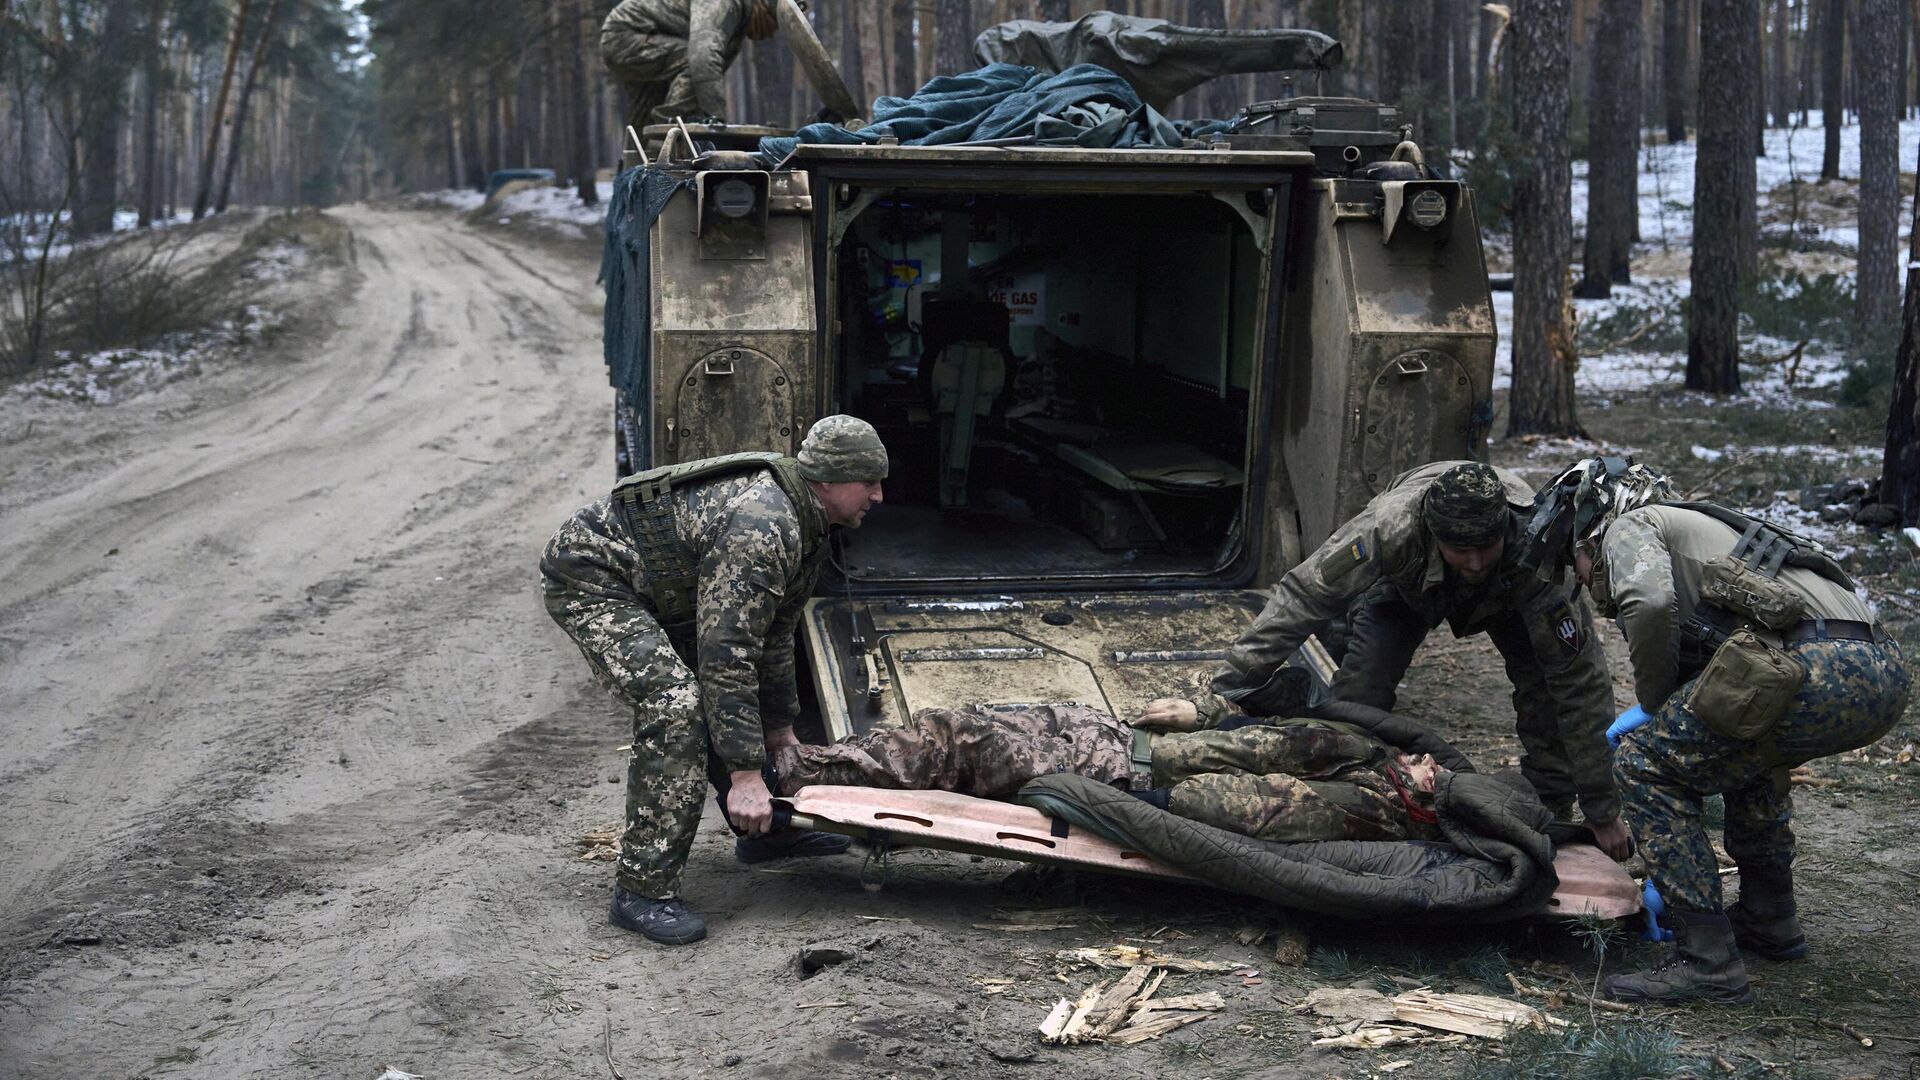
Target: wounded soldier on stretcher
(1327, 775)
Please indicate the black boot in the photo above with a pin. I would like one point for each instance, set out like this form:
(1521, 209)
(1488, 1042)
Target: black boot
(1763, 918)
(667, 922)
(788, 844)
(1704, 965)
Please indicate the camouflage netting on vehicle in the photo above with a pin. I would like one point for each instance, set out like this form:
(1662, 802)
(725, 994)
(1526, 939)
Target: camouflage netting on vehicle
(639, 195)
(1084, 105)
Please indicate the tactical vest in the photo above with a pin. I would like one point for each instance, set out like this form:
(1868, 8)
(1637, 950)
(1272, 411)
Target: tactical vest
(1766, 549)
(673, 577)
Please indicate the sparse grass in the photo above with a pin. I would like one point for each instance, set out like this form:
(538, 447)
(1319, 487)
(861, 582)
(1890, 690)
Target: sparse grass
(1621, 1050)
(1488, 964)
(1333, 965)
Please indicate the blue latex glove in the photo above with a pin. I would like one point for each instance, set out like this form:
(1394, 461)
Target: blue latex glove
(1627, 721)
(1650, 898)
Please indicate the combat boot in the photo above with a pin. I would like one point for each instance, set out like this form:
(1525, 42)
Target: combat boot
(1704, 965)
(665, 922)
(1763, 919)
(788, 844)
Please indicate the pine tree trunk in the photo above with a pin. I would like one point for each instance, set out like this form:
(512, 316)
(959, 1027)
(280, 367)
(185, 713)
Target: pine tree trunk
(954, 49)
(1876, 295)
(1752, 91)
(1713, 315)
(1782, 66)
(1543, 357)
(578, 105)
(1674, 83)
(155, 47)
(1833, 87)
(1613, 147)
(870, 36)
(218, 117)
(102, 113)
(900, 18)
(452, 139)
(241, 109)
(472, 154)
(1900, 468)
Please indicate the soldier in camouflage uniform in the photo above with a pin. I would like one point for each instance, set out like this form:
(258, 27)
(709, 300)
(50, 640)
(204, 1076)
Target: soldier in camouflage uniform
(672, 55)
(1438, 546)
(1283, 780)
(1660, 566)
(683, 589)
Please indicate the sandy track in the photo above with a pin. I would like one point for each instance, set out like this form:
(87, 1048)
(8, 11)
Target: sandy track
(243, 655)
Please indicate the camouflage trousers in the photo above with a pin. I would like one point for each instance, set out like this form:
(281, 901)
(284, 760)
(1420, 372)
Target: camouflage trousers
(1289, 782)
(1383, 636)
(1304, 780)
(1854, 693)
(987, 753)
(669, 766)
(653, 69)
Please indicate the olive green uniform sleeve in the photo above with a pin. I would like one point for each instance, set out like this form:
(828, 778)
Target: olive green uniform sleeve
(1573, 677)
(714, 28)
(747, 575)
(1313, 594)
(1640, 581)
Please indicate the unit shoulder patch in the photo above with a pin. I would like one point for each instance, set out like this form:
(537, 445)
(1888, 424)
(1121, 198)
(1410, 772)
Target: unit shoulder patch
(1566, 627)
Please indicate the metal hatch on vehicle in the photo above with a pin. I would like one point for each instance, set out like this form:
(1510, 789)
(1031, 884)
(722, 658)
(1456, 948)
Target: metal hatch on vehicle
(878, 660)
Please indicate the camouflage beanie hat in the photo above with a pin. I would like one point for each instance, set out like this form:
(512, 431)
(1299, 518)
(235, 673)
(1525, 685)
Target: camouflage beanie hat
(1467, 506)
(842, 448)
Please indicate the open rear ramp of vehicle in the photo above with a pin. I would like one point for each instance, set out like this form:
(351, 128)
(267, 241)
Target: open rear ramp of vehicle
(879, 660)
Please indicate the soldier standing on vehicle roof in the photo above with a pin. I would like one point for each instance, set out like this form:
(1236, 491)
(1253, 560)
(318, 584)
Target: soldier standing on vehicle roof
(1752, 653)
(672, 55)
(683, 588)
(1440, 544)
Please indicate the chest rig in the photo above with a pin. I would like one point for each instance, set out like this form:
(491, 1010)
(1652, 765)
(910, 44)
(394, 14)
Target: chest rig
(673, 574)
(1763, 550)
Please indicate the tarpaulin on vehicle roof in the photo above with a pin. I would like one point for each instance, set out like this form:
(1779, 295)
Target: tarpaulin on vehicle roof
(639, 195)
(1159, 59)
(1084, 105)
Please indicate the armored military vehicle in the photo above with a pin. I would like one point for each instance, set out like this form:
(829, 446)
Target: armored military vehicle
(1123, 389)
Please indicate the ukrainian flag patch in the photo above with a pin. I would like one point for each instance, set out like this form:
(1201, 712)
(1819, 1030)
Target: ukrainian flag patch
(1350, 558)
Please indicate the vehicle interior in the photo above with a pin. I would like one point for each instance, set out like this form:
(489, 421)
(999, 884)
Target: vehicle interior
(1062, 382)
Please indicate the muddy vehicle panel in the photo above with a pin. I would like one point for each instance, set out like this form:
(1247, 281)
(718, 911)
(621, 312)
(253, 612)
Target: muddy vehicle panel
(1122, 389)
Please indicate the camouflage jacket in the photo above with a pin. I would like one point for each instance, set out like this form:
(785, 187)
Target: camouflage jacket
(756, 557)
(713, 30)
(1654, 558)
(1389, 540)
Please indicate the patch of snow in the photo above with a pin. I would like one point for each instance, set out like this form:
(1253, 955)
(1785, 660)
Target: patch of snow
(278, 261)
(27, 233)
(464, 200)
(1705, 454)
(545, 203)
(112, 376)
(1785, 510)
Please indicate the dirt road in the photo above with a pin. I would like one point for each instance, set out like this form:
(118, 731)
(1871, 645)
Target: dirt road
(292, 764)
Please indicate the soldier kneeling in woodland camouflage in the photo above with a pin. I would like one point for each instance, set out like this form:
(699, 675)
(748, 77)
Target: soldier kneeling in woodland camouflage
(683, 588)
(1283, 780)
(1752, 653)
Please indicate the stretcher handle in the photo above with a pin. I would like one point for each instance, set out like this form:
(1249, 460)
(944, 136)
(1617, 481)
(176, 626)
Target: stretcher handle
(785, 818)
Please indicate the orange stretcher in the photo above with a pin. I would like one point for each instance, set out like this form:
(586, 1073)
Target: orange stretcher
(1590, 882)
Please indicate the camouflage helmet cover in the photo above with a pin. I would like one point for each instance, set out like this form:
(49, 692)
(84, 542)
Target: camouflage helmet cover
(843, 448)
(1581, 502)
